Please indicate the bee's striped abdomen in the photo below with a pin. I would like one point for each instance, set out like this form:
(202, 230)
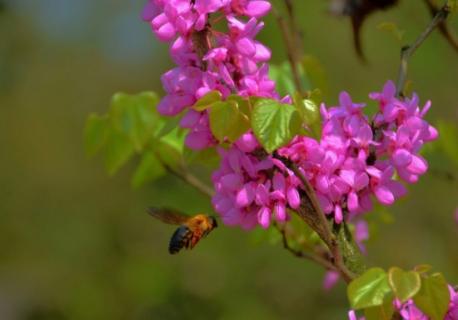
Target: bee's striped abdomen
(180, 238)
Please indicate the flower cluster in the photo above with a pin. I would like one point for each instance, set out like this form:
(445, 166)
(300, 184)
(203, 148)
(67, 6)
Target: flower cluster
(249, 191)
(359, 157)
(409, 311)
(354, 162)
(208, 59)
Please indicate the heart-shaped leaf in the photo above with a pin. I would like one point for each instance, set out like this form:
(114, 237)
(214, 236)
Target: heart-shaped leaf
(226, 121)
(369, 289)
(433, 297)
(207, 100)
(274, 124)
(405, 284)
(382, 312)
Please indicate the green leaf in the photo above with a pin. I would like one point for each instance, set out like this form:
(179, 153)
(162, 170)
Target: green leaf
(315, 73)
(433, 297)
(369, 289)
(95, 133)
(170, 148)
(149, 168)
(166, 125)
(244, 105)
(316, 95)
(226, 121)
(119, 149)
(350, 249)
(175, 139)
(274, 124)
(283, 78)
(382, 312)
(135, 116)
(207, 100)
(309, 112)
(405, 284)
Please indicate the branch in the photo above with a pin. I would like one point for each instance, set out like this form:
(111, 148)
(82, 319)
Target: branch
(289, 49)
(314, 216)
(315, 257)
(408, 51)
(188, 177)
(443, 27)
(191, 179)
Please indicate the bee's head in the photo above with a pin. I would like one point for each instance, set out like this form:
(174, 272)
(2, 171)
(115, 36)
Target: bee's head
(213, 222)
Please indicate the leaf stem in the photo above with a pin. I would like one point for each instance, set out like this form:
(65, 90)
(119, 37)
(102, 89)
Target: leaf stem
(408, 51)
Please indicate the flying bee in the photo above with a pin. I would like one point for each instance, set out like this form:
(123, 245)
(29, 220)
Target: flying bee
(190, 231)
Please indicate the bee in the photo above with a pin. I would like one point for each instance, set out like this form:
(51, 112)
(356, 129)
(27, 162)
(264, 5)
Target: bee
(191, 228)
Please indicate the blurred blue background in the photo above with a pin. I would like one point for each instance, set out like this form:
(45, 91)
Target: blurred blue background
(76, 244)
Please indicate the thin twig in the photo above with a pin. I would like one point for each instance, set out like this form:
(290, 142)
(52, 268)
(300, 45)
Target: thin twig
(295, 31)
(408, 51)
(325, 263)
(188, 177)
(289, 49)
(192, 180)
(443, 27)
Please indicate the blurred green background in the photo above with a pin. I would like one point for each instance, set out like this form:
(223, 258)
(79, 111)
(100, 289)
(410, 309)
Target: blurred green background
(76, 244)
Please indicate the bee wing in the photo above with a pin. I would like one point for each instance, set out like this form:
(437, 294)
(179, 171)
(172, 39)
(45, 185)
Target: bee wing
(169, 216)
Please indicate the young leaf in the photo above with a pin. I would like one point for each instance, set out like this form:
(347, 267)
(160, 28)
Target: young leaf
(274, 124)
(95, 133)
(118, 151)
(382, 312)
(207, 100)
(170, 148)
(150, 168)
(226, 121)
(369, 289)
(165, 126)
(283, 78)
(135, 116)
(405, 284)
(433, 297)
(310, 114)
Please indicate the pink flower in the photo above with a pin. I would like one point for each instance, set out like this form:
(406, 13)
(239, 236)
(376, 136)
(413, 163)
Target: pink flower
(452, 313)
(251, 8)
(330, 280)
(235, 63)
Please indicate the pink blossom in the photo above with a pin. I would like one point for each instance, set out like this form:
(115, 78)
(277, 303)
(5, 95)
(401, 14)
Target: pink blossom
(251, 191)
(330, 279)
(234, 63)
